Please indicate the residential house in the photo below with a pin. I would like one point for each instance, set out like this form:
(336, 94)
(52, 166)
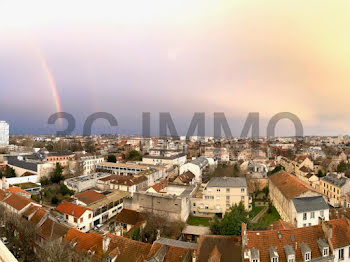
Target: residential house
(77, 216)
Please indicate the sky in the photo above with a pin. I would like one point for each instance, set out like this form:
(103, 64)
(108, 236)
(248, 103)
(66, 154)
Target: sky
(182, 57)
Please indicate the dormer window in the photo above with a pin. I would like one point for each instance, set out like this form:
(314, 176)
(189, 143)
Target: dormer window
(325, 252)
(274, 259)
(307, 256)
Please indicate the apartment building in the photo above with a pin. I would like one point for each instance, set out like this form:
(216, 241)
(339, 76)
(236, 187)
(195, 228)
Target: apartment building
(165, 157)
(335, 187)
(89, 162)
(4, 133)
(218, 195)
(283, 189)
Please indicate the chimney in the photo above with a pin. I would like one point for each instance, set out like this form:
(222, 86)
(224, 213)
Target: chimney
(158, 234)
(105, 242)
(194, 256)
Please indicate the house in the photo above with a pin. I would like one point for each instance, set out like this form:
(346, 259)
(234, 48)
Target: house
(18, 191)
(219, 248)
(289, 245)
(108, 207)
(283, 188)
(129, 184)
(197, 167)
(193, 233)
(128, 219)
(77, 216)
(173, 204)
(159, 187)
(218, 195)
(335, 187)
(119, 249)
(88, 197)
(186, 178)
(17, 203)
(307, 210)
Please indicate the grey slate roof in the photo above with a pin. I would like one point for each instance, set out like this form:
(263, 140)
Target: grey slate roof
(227, 182)
(304, 248)
(176, 243)
(200, 161)
(334, 180)
(307, 204)
(288, 249)
(12, 160)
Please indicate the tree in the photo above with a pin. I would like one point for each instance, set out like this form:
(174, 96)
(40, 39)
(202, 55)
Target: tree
(54, 200)
(320, 173)
(275, 170)
(134, 156)
(266, 191)
(90, 146)
(236, 170)
(112, 159)
(44, 181)
(342, 167)
(64, 190)
(232, 222)
(9, 172)
(56, 176)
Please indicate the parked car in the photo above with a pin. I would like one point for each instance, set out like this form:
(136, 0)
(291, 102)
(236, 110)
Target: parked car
(98, 226)
(4, 241)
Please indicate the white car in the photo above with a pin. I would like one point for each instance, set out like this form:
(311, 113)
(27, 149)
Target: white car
(4, 241)
(98, 226)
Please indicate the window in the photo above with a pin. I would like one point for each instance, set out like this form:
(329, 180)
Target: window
(304, 216)
(217, 198)
(291, 259)
(275, 259)
(325, 252)
(228, 206)
(75, 220)
(218, 190)
(227, 190)
(322, 213)
(89, 215)
(194, 204)
(67, 217)
(242, 190)
(254, 260)
(228, 198)
(312, 214)
(349, 252)
(307, 256)
(81, 220)
(206, 207)
(341, 254)
(242, 198)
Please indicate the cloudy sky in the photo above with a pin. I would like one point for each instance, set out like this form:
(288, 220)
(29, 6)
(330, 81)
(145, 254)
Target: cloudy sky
(184, 56)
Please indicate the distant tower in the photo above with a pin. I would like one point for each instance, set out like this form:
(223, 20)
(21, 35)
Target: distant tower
(4, 133)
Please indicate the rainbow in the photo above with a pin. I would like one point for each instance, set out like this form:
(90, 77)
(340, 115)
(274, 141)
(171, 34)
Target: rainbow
(52, 84)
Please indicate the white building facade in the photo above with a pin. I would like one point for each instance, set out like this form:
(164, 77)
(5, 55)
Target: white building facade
(4, 133)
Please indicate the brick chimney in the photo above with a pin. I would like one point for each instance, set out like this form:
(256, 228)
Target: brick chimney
(105, 242)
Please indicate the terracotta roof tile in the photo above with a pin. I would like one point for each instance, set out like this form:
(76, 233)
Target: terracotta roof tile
(263, 240)
(288, 184)
(340, 232)
(16, 189)
(160, 186)
(89, 197)
(18, 202)
(71, 209)
(130, 217)
(229, 247)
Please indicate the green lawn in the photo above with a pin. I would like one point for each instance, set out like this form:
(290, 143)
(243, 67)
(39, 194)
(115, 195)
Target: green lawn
(255, 211)
(198, 221)
(267, 219)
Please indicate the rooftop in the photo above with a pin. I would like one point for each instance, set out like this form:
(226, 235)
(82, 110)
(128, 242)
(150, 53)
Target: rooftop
(227, 182)
(307, 204)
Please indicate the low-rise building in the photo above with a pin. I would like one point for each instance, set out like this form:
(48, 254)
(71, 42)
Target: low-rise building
(84, 182)
(197, 167)
(283, 188)
(77, 216)
(219, 195)
(335, 187)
